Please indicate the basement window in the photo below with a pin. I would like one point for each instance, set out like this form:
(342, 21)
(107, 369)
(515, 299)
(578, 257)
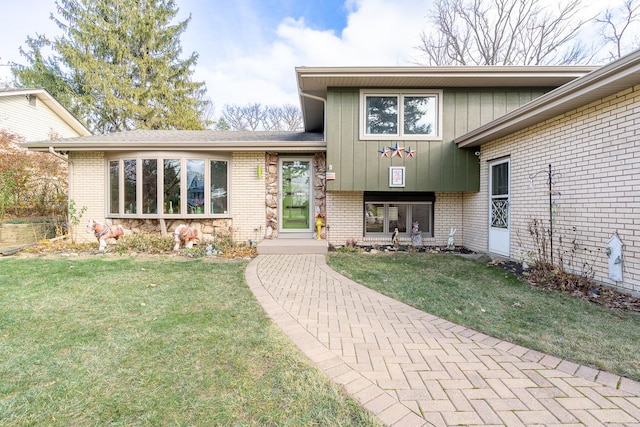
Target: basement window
(384, 212)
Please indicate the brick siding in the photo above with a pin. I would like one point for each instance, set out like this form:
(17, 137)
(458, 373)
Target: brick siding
(595, 157)
(248, 196)
(87, 188)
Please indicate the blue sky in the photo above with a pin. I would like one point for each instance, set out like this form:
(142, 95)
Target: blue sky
(248, 48)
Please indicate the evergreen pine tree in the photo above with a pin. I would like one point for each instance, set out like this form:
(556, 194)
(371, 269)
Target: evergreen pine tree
(117, 66)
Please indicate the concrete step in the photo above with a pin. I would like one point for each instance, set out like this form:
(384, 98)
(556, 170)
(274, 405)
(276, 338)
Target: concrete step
(292, 246)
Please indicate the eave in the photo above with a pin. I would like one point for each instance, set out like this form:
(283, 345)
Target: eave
(173, 140)
(315, 81)
(274, 146)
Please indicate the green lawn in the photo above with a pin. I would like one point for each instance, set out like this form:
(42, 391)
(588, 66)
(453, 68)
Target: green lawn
(116, 341)
(495, 302)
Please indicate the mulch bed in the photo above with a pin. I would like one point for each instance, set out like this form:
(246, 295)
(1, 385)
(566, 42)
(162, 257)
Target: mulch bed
(573, 285)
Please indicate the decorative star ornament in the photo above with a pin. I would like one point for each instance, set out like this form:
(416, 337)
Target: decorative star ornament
(409, 152)
(383, 152)
(396, 150)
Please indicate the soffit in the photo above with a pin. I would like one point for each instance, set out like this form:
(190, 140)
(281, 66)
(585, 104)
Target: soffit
(315, 81)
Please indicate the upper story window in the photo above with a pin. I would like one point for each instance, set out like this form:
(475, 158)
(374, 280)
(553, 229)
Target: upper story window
(153, 186)
(411, 114)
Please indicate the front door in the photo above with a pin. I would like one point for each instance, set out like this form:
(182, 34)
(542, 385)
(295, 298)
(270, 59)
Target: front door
(499, 215)
(295, 207)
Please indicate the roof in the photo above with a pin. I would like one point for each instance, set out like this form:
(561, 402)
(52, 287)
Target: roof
(313, 82)
(605, 81)
(188, 140)
(46, 98)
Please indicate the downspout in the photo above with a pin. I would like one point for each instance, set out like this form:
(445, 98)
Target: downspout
(324, 139)
(324, 103)
(69, 183)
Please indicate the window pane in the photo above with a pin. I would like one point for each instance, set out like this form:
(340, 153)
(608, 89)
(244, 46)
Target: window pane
(397, 215)
(500, 179)
(421, 213)
(171, 189)
(420, 115)
(374, 218)
(195, 186)
(382, 115)
(218, 187)
(129, 186)
(150, 186)
(114, 188)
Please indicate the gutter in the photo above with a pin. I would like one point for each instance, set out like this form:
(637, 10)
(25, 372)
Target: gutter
(60, 156)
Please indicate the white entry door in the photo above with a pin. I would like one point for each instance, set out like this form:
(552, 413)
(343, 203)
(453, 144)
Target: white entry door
(499, 207)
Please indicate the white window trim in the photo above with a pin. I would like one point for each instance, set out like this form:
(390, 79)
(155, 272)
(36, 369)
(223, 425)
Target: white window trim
(160, 157)
(401, 94)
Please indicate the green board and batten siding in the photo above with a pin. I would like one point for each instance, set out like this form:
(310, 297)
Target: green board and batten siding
(437, 165)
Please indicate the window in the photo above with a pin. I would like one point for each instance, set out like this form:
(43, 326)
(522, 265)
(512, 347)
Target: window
(148, 187)
(390, 115)
(384, 212)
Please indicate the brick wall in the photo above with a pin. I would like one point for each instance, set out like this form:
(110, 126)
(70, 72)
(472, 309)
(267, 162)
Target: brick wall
(448, 214)
(595, 157)
(87, 188)
(248, 196)
(344, 216)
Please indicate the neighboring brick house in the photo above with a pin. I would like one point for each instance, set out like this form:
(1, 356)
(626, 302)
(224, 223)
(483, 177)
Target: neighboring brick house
(387, 147)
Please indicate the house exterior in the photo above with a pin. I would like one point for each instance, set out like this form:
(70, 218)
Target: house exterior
(36, 115)
(391, 161)
(587, 134)
(417, 150)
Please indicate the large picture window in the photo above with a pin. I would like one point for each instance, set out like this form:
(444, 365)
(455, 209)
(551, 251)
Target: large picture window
(384, 212)
(173, 186)
(400, 115)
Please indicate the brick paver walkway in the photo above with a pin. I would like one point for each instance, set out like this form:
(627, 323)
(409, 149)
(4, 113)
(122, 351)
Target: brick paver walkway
(412, 369)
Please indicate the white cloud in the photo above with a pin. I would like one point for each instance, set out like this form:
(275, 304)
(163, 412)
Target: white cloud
(248, 51)
(378, 32)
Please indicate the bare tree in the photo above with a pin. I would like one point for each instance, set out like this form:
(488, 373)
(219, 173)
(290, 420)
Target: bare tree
(285, 118)
(291, 116)
(256, 116)
(503, 32)
(615, 25)
(233, 117)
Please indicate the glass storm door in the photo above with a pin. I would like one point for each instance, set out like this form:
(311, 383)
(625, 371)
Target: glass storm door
(295, 195)
(499, 215)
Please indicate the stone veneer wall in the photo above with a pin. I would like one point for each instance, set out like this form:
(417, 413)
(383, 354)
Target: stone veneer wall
(271, 200)
(272, 188)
